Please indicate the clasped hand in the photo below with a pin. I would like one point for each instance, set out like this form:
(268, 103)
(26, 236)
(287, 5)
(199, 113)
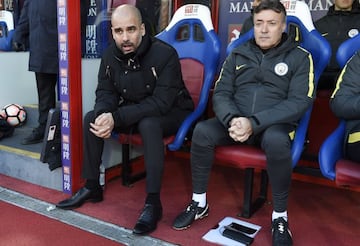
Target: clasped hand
(240, 129)
(103, 125)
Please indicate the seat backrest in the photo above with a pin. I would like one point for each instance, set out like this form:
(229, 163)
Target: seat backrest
(7, 17)
(347, 49)
(192, 34)
(332, 148)
(298, 14)
(6, 30)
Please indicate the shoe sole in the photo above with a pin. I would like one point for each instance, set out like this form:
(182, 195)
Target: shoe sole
(79, 205)
(186, 227)
(148, 232)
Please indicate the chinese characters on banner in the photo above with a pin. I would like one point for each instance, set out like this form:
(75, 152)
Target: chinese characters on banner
(97, 36)
(64, 94)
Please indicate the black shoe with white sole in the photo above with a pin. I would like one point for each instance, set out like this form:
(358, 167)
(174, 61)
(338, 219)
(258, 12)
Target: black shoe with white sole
(281, 234)
(189, 215)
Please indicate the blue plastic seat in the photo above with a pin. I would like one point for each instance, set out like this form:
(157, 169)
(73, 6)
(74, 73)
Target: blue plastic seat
(6, 30)
(331, 157)
(251, 157)
(192, 34)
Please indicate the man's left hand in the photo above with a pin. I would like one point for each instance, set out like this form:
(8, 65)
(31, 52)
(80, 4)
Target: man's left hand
(103, 125)
(240, 129)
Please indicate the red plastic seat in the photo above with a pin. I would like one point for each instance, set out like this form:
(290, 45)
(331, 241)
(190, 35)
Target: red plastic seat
(347, 173)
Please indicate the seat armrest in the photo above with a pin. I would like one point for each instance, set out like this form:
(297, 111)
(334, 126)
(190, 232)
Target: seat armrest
(195, 115)
(300, 137)
(331, 151)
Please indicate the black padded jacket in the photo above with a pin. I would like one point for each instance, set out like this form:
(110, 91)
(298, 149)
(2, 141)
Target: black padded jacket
(345, 100)
(268, 88)
(338, 26)
(147, 83)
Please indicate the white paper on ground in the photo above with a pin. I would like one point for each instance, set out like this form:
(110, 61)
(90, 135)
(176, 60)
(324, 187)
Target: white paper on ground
(215, 236)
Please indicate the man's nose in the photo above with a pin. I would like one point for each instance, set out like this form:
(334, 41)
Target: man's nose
(125, 36)
(264, 28)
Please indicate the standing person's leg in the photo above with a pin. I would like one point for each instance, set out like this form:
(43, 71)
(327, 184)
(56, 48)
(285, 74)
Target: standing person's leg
(276, 143)
(207, 135)
(152, 130)
(92, 153)
(45, 84)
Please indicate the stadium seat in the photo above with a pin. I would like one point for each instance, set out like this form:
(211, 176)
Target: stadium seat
(6, 30)
(191, 33)
(332, 163)
(251, 157)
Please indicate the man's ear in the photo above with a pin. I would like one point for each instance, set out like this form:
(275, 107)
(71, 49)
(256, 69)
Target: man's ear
(284, 27)
(142, 29)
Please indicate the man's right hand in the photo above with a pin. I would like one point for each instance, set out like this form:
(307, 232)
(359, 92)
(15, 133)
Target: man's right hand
(18, 47)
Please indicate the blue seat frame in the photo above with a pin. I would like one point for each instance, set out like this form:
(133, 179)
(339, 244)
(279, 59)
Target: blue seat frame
(331, 151)
(6, 38)
(206, 51)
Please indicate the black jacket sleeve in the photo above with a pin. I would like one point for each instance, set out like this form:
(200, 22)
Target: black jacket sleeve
(345, 100)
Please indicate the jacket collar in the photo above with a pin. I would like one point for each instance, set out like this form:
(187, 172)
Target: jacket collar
(354, 10)
(131, 61)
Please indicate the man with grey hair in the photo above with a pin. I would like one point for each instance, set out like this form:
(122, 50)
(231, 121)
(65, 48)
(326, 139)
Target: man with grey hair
(264, 88)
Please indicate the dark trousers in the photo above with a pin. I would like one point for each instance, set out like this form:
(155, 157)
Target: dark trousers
(275, 142)
(152, 131)
(46, 84)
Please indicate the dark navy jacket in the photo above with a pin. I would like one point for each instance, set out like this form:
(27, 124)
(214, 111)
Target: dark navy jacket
(38, 25)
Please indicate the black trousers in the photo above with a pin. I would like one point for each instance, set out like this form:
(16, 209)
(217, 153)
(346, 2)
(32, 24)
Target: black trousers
(275, 141)
(46, 84)
(152, 131)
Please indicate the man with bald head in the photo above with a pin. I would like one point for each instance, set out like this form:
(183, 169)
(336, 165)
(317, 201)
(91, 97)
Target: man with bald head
(140, 90)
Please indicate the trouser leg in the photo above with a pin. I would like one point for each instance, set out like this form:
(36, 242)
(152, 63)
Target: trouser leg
(277, 146)
(207, 135)
(152, 137)
(152, 131)
(92, 150)
(45, 84)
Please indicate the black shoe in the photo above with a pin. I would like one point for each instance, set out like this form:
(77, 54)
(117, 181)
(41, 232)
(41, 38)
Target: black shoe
(148, 219)
(36, 136)
(281, 234)
(80, 197)
(191, 213)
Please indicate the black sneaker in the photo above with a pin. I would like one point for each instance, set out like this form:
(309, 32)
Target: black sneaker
(191, 213)
(281, 234)
(36, 136)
